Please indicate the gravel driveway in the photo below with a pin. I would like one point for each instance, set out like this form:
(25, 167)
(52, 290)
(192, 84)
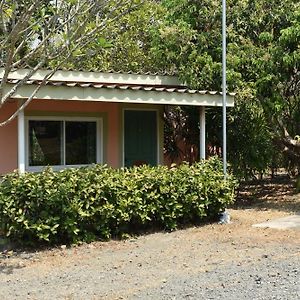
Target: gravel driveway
(234, 261)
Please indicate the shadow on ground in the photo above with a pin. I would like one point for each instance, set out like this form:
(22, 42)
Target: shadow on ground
(278, 194)
(9, 268)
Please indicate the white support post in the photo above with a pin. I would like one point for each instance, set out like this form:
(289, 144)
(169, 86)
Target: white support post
(21, 142)
(202, 133)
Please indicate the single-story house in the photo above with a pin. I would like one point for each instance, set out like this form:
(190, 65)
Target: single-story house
(79, 118)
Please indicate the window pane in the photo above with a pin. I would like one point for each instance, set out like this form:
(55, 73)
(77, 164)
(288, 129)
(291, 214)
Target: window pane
(80, 143)
(45, 143)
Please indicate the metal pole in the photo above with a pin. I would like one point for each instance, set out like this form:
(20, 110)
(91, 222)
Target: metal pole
(224, 87)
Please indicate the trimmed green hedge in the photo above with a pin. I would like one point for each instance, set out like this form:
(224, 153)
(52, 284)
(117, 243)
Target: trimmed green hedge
(99, 202)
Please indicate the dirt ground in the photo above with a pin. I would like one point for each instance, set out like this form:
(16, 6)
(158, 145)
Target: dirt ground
(205, 262)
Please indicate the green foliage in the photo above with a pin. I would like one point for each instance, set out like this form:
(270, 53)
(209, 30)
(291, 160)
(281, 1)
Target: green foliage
(125, 44)
(100, 202)
(250, 146)
(60, 34)
(263, 59)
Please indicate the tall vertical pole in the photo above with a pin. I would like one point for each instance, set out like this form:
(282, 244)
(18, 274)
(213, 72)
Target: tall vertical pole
(224, 83)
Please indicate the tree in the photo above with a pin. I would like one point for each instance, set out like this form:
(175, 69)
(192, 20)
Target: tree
(279, 91)
(262, 67)
(126, 43)
(37, 34)
(181, 134)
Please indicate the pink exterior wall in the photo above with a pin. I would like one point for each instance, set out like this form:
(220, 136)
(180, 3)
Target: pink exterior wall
(8, 140)
(111, 146)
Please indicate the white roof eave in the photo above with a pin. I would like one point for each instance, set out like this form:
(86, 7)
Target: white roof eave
(77, 93)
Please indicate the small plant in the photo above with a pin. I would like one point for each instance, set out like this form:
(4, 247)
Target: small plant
(99, 202)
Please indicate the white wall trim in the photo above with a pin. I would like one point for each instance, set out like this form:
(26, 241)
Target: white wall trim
(202, 145)
(21, 142)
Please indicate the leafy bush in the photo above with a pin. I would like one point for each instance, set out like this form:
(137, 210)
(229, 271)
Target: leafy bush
(99, 202)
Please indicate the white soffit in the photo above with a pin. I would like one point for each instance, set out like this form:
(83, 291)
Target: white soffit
(122, 95)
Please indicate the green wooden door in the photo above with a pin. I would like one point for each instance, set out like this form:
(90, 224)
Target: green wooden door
(140, 137)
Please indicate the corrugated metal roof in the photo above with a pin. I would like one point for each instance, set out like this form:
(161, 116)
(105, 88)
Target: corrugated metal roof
(160, 73)
(110, 71)
(133, 87)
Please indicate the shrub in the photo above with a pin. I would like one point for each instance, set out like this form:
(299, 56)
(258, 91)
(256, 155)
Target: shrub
(99, 202)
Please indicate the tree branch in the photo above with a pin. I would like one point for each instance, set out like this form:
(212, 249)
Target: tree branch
(77, 15)
(21, 82)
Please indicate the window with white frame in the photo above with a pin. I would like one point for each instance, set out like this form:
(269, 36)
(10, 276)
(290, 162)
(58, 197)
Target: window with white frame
(62, 141)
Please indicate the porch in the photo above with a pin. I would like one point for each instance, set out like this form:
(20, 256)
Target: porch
(119, 115)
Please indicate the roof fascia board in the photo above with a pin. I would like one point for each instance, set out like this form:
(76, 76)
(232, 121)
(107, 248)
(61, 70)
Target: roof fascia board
(95, 77)
(120, 96)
